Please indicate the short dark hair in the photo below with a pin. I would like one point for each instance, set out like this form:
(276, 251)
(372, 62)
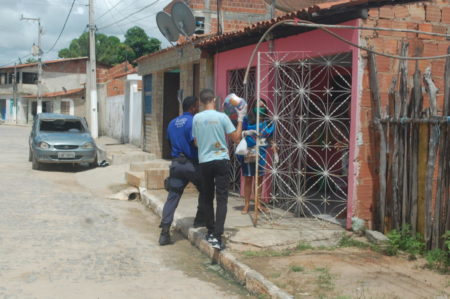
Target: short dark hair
(188, 102)
(207, 95)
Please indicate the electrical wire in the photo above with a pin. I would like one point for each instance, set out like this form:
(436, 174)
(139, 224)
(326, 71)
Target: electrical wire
(63, 27)
(18, 59)
(323, 27)
(132, 14)
(111, 8)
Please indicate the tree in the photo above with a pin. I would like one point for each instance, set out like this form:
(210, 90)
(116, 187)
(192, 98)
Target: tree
(31, 60)
(140, 42)
(110, 50)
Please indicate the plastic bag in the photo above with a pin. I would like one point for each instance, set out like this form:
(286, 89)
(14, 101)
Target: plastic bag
(241, 148)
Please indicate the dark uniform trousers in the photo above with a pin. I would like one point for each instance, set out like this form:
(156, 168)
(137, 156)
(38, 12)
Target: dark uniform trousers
(182, 171)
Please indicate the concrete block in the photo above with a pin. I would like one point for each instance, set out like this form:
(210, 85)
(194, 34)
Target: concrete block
(135, 179)
(142, 166)
(376, 237)
(117, 159)
(154, 178)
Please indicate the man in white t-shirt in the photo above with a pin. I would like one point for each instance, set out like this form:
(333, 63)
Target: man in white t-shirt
(210, 129)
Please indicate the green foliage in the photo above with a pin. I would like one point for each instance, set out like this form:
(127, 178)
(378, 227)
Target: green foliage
(325, 279)
(439, 259)
(110, 50)
(303, 247)
(348, 241)
(31, 60)
(297, 269)
(406, 241)
(140, 42)
(266, 253)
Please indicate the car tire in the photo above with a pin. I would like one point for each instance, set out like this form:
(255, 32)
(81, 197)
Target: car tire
(34, 163)
(94, 164)
(30, 155)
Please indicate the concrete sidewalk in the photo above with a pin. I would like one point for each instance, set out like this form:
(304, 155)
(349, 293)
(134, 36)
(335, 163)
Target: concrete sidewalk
(272, 232)
(276, 230)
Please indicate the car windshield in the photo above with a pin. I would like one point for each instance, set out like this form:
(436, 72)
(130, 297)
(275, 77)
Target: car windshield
(61, 125)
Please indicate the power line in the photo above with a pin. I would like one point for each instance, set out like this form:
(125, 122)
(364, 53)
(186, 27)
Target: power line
(63, 27)
(18, 59)
(114, 6)
(132, 14)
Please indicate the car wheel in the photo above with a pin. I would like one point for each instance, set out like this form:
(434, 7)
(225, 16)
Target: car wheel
(29, 155)
(93, 164)
(34, 163)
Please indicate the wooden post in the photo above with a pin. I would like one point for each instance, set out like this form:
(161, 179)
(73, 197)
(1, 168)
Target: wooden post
(376, 114)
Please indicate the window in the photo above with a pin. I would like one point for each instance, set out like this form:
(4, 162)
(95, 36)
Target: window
(61, 125)
(65, 107)
(29, 78)
(199, 25)
(148, 94)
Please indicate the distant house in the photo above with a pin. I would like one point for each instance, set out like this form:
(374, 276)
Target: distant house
(63, 86)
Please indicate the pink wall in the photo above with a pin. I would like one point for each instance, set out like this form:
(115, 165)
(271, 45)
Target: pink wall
(316, 42)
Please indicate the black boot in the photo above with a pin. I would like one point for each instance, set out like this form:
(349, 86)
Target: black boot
(164, 238)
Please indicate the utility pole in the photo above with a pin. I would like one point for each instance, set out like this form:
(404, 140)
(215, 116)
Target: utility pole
(92, 75)
(15, 92)
(37, 52)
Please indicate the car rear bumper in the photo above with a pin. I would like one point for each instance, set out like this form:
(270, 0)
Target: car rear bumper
(51, 156)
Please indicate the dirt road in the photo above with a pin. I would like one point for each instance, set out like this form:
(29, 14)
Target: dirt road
(60, 237)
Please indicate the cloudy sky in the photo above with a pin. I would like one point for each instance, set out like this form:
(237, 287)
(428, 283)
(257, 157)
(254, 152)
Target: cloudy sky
(17, 37)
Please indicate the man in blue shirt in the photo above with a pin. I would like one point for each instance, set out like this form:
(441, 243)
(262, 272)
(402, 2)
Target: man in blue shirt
(184, 167)
(210, 130)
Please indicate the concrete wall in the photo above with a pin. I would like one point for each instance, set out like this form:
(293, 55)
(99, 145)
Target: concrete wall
(115, 116)
(181, 58)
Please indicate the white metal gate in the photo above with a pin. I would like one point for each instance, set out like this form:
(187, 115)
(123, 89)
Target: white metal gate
(309, 100)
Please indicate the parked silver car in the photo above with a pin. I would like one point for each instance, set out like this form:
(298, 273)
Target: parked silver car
(60, 138)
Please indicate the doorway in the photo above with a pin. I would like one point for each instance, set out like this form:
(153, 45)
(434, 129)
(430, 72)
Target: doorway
(2, 109)
(171, 106)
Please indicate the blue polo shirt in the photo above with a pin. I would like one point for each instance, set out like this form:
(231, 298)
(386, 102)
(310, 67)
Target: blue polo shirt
(179, 133)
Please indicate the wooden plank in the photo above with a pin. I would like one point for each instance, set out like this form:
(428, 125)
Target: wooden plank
(432, 150)
(393, 198)
(422, 166)
(442, 207)
(403, 137)
(416, 107)
(376, 114)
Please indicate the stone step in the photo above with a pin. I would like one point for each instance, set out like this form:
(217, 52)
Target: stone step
(135, 178)
(142, 166)
(154, 178)
(126, 158)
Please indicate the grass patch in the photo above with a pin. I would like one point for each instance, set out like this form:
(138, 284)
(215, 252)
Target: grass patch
(325, 279)
(297, 269)
(303, 247)
(266, 253)
(348, 241)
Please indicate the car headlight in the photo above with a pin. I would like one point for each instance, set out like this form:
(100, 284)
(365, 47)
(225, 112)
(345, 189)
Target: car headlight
(88, 145)
(44, 145)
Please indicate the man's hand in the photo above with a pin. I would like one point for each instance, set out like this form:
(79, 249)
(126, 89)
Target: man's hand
(241, 113)
(249, 133)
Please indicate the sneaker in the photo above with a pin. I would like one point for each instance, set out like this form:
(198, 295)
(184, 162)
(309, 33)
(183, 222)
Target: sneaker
(217, 244)
(209, 237)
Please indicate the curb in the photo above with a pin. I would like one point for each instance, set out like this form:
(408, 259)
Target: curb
(253, 281)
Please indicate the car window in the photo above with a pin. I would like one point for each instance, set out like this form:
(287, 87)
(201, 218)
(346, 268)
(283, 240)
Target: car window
(61, 125)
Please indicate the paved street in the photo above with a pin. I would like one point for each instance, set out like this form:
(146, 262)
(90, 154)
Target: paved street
(59, 238)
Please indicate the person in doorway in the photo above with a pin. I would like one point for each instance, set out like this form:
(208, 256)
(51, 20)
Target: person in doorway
(248, 162)
(210, 130)
(184, 167)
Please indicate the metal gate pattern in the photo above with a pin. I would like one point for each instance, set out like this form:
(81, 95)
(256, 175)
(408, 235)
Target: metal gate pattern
(309, 105)
(248, 92)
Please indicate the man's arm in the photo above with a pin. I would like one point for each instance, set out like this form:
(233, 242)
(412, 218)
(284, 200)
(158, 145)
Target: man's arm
(236, 136)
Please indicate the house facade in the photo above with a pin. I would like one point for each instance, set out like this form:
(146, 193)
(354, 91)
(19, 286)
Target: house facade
(319, 97)
(62, 89)
(176, 72)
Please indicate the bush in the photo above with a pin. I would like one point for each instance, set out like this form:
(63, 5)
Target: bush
(406, 241)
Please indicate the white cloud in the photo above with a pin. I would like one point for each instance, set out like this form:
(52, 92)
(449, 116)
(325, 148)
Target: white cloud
(17, 37)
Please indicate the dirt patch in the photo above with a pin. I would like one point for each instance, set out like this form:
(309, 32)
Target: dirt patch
(348, 273)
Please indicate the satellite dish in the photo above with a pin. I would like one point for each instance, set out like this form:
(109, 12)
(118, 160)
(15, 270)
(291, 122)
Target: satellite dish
(183, 18)
(166, 26)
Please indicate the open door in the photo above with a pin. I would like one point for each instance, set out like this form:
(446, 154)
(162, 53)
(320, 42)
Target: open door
(171, 106)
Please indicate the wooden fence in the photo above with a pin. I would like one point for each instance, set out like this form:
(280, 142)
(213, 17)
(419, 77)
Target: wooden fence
(413, 153)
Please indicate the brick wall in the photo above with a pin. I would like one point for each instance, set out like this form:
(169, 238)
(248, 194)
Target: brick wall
(182, 59)
(114, 78)
(432, 16)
